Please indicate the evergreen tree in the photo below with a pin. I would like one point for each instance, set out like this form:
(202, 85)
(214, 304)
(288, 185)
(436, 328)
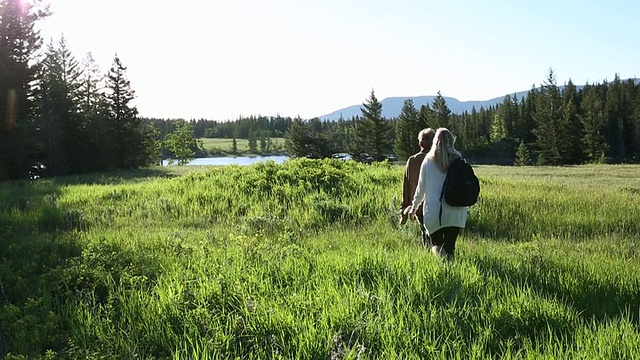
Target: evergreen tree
(636, 124)
(298, 138)
(93, 108)
(19, 44)
(407, 129)
(627, 99)
(253, 142)
(303, 139)
(527, 123)
(125, 137)
(485, 124)
(498, 129)
(593, 121)
(465, 132)
(441, 112)
(523, 156)
(371, 133)
(425, 117)
(505, 119)
(615, 112)
(471, 132)
(263, 141)
(548, 116)
(62, 127)
(152, 142)
(571, 127)
(234, 146)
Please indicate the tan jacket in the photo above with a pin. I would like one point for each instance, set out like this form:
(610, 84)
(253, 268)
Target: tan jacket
(411, 175)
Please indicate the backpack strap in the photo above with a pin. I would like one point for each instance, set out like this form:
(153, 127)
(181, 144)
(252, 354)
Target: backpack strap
(444, 186)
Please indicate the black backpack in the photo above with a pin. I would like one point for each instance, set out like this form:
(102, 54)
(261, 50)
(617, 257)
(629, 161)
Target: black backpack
(461, 186)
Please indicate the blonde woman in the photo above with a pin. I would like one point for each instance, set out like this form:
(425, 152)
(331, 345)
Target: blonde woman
(443, 229)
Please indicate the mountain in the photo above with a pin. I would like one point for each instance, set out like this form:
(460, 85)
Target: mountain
(391, 107)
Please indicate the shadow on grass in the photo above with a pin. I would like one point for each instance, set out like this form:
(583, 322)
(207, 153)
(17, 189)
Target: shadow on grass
(498, 230)
(592, 299)
(119, 177)
(39, 245)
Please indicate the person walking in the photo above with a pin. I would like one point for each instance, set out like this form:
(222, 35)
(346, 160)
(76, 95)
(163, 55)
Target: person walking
(442, 224)
(410, 181)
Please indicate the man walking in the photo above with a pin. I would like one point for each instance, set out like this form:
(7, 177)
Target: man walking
(410, 181)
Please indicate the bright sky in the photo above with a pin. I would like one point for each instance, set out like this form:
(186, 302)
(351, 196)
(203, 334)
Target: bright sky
(219, 59)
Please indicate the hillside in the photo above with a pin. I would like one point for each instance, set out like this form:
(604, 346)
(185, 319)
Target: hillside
(391, 107)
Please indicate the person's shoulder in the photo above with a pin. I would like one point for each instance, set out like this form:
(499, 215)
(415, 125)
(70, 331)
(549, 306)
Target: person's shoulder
(416, 157)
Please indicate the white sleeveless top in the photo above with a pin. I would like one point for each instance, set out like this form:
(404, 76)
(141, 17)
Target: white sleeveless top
(429, 189)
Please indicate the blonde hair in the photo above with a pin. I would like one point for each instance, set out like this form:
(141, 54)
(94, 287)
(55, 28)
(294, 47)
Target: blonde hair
(442, 149)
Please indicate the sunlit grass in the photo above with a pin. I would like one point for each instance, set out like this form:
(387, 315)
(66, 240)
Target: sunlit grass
(226, 145)
(306, 260)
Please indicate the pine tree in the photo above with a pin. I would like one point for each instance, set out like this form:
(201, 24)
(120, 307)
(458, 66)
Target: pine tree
(471, 132)
(297, 139)
(548, 116)
(523, 156)
(63, 128)
(253, 142)
(627, 99)
(234, 146)
(593, 120)
(527, 123)
(93, 108)
(636, 125)
(153, 143)
(505, 119)
(571, 127)
(263, 141)
(485, 124)
(124, 131)
(441, 112)
(498, 130)
(425, 117)
(371, 133)
(615, 112)
(407, 129)
(19, 44)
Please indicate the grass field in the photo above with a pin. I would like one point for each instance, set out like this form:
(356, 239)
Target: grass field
(222, 145)
(305, 260)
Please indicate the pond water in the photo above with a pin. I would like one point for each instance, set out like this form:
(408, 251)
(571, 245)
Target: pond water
(238, 160)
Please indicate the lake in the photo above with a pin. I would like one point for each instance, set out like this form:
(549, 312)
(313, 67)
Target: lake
(238, 160)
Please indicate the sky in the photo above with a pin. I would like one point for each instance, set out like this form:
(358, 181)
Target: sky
(220, 60)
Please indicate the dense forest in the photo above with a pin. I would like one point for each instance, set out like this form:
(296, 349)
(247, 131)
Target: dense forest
(63, 116)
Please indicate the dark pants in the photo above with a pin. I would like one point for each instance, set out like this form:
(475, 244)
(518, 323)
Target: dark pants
(426, 239)
(446, 238)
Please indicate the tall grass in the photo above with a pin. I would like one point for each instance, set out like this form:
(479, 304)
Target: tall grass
(305, 260)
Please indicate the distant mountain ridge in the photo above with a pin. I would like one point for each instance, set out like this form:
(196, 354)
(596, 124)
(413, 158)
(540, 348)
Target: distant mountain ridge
(391, 107)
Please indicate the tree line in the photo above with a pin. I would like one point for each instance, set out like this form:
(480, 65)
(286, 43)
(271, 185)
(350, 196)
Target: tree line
(59, 115)
(62, 116)
(551, 125)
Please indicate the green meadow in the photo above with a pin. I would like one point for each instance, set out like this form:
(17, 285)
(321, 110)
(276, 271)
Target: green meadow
(306, 260)
(223, 146)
